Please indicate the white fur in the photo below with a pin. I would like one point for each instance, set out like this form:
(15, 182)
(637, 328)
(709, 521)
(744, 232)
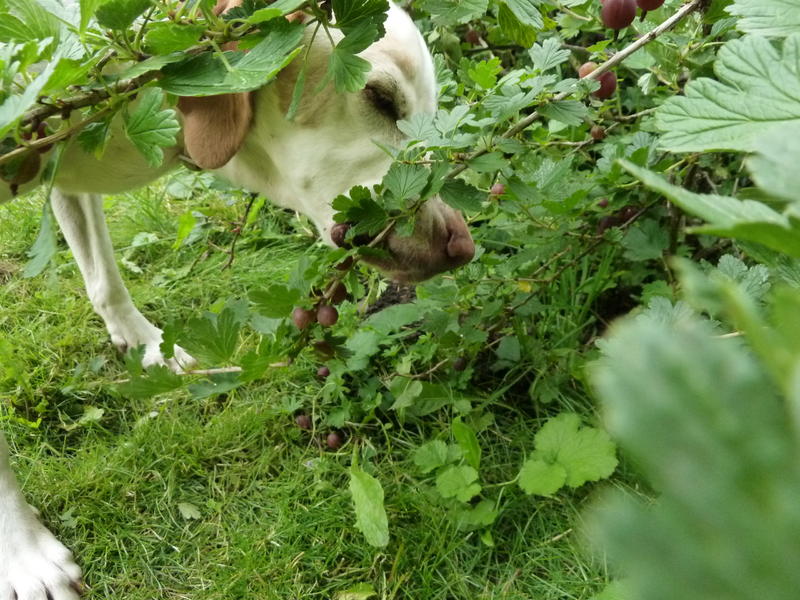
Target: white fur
(301, 164)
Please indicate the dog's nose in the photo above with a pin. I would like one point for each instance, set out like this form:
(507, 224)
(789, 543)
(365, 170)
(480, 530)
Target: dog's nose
(460, 247)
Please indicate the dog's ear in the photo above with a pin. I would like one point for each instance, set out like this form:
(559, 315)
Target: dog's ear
(214, 127)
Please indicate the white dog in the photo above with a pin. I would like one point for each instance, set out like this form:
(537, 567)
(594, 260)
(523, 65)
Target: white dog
(300, 164)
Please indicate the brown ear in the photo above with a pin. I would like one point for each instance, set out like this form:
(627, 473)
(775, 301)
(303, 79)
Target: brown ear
(214, 127)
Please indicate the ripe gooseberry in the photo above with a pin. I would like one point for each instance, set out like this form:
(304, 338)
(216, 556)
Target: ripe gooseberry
(618, 14)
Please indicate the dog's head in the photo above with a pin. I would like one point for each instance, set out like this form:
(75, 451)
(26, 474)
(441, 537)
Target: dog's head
(333, 143)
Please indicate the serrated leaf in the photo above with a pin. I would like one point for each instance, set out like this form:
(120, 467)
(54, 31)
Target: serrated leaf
(276, 301)
(454, 12)
(646, 240)
(44, 248)
(120, 14)
(150, 128)
(14, 107)
(585, 453)
(485, 73)
(461, 195)
(371, 518)
(513, 28)
(94, 136)
(467, 441)
(527, 12)
(405, 391)
(770, 18)
(40, 22)
(431, 455)
(274, 10)
(212, 338)
(774, 166)
(549, 54)
(349, 71)
(163, 38)
(88, 8)
(155, 380)
(729, 217)
(458, 482)
(361, 591)
(189, 511)
(354, 14)
(541, 478)
(569, 112)
(758, 89)
(405, 181)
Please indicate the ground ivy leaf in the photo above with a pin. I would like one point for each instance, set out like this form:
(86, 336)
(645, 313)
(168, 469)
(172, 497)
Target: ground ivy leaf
(541, 478)
(368, 502)
(757, 89)
(585, 453)
(150, 127)
(458, 482)
(770, 18)
(430, 456)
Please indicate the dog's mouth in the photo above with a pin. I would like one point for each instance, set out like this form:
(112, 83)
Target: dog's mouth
(441, 242)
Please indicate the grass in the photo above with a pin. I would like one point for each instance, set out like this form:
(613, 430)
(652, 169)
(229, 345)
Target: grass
(224, 498)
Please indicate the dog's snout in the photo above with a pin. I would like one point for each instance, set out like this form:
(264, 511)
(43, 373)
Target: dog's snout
(460, 247)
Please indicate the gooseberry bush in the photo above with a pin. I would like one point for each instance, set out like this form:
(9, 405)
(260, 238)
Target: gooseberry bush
(583, 144)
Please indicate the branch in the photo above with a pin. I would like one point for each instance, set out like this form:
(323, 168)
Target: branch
(612, 62)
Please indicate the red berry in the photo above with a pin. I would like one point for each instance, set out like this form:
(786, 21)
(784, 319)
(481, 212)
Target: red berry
(498, 189)
(597, 133)
(608, 84)
(602, 203)
(323, 372)
(472, 37)
(618, 14)
(303, 421)
(586, 68)
(303, 318)
(338, 233)
(460, 364)
(334, 440)
(649, 4)
(327, 315)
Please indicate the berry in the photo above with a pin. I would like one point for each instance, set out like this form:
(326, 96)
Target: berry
(498, 189)
(303, 421)
(323, 372)
(327, 315)
(21, 169)
(602, 203)
(608, 84)
(339, 293)
(606, 223)
(586, 68)
(303, 318)
(472, 37)
(597, 133)
(338, 233)
(460, 364)
(618, 14)
(345, 264)
(334, 440)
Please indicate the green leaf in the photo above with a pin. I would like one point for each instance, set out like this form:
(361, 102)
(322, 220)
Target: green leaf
(163, 38)
(276, 301)
(88, 8)
(41, 23)
(462, 196)
(513, 28)
(549, 54)
(368, 502)
(212, 338)
(774, 166)
(188, 510)
(120, 14)
(467, 441)
(646, 240)
(729, 217)
(94, 137)
(758, 89)
(453, 12)
(770, 18)
(527, 12)
(348, 70)
(14, 107)
(150, 128)
(353, 14)
(360, 591)
(206, 74)
(485, 72)
(458, 482)
(405, 181)
(45, 246)
(541, 478)
(405, 391)
(157, 379)
(430, 456)
(569, 112)
(274, 10)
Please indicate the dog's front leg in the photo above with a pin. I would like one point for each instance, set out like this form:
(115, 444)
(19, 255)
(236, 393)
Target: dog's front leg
(34, 565)
(84, 226)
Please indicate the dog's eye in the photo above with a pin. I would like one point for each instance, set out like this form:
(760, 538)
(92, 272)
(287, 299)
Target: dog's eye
(383, 101)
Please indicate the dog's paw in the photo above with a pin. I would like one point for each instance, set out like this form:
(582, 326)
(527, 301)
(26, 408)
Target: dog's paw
(138, 331)
(34, 565)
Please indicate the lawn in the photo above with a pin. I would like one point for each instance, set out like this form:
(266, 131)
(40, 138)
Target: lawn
(225, 497)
